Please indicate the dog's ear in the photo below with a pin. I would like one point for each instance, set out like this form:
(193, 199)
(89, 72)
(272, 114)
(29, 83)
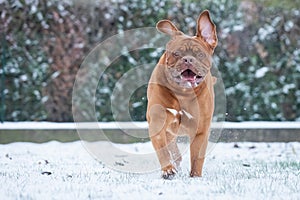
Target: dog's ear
(167, 27)
(206, 29)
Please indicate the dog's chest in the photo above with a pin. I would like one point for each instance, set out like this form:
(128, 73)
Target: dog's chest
(181, 122)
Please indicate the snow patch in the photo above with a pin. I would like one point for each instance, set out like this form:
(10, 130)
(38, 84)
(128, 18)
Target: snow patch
(261, 72)
(140, 125)
(287, 87)
(231, 171)
(188, 114)
(265, 31)
(173, 111)
(288, 26)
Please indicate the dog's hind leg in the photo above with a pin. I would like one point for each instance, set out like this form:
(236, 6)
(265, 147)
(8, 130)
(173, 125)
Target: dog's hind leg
(198, 150)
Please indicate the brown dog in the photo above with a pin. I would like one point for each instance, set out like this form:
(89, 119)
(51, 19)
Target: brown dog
(181, 95)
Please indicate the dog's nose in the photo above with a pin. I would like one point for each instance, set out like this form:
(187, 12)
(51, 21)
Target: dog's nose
(188, 59)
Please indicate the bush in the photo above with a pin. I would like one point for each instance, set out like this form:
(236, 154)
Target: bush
(44, 43)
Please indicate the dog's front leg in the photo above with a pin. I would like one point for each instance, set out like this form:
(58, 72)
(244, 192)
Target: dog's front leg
(159, 142)
(158, 123)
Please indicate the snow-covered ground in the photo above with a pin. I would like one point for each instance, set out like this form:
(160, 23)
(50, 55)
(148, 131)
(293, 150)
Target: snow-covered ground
(67, 171)
(141, 125)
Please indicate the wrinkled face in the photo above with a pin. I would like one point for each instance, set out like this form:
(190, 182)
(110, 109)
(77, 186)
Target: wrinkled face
(188, 62)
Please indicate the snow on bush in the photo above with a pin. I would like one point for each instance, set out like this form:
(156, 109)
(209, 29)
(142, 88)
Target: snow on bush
(44, 43)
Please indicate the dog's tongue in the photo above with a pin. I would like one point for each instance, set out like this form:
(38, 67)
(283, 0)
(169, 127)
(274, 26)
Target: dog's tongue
(188, 75)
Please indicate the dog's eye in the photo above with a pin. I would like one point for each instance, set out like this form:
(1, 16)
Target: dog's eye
(176, 54)
(201, 55)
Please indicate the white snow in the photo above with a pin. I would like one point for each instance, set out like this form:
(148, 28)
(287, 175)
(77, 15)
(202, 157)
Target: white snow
(173, 111)
(287, 87)
(238, 27)
(66, 171)
(288, 25)
(261, 72)
(68, 126)
(188, 114)
(262, 125)
(23, 77)
(181, 112)
(265, 31)
(141, 125)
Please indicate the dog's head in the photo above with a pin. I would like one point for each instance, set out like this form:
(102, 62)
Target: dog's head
(189, 59)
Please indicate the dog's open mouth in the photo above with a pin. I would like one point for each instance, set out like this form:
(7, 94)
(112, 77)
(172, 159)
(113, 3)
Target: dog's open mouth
(190, 76)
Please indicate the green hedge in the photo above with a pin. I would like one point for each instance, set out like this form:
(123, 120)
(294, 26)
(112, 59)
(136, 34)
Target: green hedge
(44, 42)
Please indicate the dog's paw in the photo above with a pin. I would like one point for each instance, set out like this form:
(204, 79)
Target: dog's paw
(195, 174)
(169, 173)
